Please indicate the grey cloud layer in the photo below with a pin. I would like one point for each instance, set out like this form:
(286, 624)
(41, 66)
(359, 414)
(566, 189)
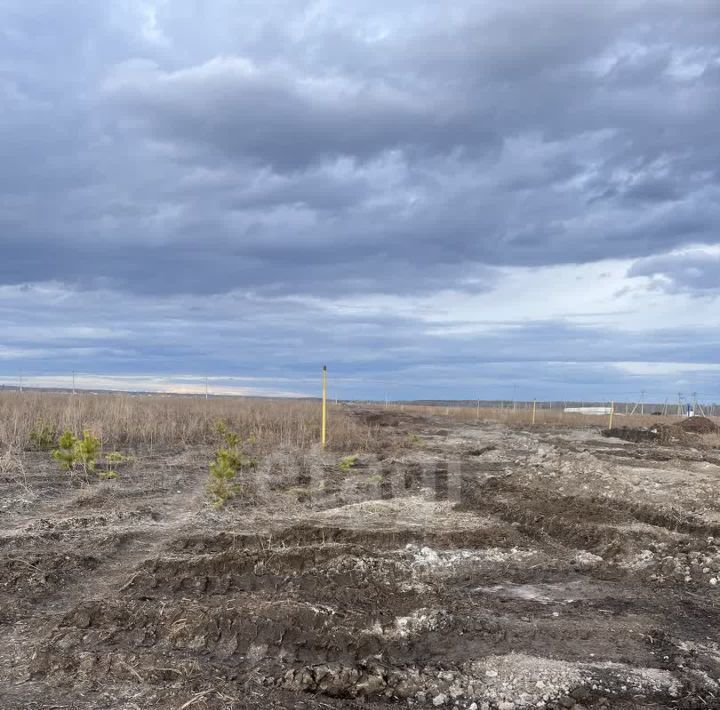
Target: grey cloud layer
(322, 146)
(210, 169)
(695, 271)
(285, 340)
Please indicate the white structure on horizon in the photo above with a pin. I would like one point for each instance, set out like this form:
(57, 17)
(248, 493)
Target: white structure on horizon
(598, 411)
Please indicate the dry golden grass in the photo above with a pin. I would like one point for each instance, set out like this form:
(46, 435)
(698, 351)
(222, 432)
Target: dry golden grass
(123, 420)
(159, 421)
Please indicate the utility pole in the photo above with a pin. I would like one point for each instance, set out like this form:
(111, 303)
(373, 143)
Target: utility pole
(21, 382)
(73, 375)
(642, 401)
(206, 387)
(323, 434)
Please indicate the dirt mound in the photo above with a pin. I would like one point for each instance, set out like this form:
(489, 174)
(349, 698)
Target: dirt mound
(663, 434)
(383, 418)
(630, 434)
(699, 425)
(671, 434)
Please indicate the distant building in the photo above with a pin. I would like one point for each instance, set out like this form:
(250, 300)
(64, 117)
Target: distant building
(588, 410)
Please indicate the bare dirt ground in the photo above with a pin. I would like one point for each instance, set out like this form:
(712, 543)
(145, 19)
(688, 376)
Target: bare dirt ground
(464, 565)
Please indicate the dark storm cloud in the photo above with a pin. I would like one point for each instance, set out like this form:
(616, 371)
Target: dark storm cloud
(406, 138)
(287, 119)
(196, 186)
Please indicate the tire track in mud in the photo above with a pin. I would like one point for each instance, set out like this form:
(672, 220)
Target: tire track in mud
(565, 523)
(263, 627)
(402, 606)
(103, 566)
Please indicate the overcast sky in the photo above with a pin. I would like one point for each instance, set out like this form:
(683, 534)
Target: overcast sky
(437, 199)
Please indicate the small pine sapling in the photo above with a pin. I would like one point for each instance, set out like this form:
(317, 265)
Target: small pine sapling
(42, 435)
(82, 453)
(65, 453)
(348, 462)
(231, 438)
(228, 462)
(223, 470)
(87, 450)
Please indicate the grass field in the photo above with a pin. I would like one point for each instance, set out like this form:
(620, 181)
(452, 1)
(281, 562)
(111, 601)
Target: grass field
(167, 421)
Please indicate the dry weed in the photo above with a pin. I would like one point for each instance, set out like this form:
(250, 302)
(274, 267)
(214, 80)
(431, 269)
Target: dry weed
(158, 421)
(13, 469)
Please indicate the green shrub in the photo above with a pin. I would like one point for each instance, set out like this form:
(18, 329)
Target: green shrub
(82, 453)
(65, 453)
(118, 457)
(348, 462)
(87, 450)
(42, 435)
(231, 438)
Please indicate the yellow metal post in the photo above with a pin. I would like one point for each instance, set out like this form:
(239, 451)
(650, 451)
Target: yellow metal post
(534, 405)
(612, 411)
(324, 406)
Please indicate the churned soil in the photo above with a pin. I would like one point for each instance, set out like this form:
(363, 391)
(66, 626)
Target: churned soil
(465, 565)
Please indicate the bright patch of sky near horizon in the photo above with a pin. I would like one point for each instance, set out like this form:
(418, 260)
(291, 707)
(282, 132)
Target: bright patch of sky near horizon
(438, 201)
